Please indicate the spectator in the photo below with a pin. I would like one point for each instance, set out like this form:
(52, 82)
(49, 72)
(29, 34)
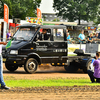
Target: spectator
(68, 38)
(96, 74)
(81, 37)
(94, 34)
(66, 30)
(58, 33)
(96, 38)
(90, 38)
(98, 34)
(9, 35)
(3, 86)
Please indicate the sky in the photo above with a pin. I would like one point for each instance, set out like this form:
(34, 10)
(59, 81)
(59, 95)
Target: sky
(46, 6)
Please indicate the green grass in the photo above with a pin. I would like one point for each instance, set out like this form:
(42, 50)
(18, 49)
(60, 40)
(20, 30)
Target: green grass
(49, 82)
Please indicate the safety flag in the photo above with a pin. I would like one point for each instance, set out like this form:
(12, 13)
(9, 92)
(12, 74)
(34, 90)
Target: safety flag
(9, 43)
(6, 13)
(38, 13)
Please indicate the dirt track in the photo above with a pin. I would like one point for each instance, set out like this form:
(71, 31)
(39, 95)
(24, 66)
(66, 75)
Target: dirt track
(52, 96)
(44, 72)
(50, 93)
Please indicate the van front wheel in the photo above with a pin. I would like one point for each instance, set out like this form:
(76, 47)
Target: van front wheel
(11, 68)
(31, 65)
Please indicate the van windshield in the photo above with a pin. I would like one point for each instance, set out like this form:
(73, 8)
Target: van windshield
(25, 33)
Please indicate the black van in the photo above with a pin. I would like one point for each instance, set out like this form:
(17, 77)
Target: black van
(30, 49)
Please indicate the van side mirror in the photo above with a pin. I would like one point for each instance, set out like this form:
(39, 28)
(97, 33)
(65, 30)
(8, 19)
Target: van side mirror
(35, 43)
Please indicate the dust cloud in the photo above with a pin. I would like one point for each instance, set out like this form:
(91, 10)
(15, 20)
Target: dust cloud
(49, 67)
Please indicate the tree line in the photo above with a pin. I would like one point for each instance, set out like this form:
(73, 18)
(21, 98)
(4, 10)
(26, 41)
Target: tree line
(88, 10)
(20, 8)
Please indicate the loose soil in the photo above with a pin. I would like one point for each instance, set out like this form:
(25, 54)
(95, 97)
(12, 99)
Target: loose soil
(49, 93)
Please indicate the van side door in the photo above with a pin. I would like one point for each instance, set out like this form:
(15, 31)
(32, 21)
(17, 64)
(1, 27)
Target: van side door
(59, 44)
(44, 46)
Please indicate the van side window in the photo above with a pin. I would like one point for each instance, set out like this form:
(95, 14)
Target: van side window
(58, 34)
(44, 34)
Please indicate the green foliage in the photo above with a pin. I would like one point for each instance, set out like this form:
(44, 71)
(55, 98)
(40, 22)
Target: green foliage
(56, 20)
(20, 8)
(97, 20)
(77, 9)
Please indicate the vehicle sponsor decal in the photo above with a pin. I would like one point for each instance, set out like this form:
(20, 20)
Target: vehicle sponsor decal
(41, 48)
(60, 50)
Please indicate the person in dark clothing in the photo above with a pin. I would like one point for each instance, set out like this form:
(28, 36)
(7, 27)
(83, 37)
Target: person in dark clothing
(43, 35)
(96, 38)
(90, 38)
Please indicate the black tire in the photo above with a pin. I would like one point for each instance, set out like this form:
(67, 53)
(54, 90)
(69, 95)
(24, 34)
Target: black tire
(87, 67)
(72, 68)
(11, 68)
(31, 65)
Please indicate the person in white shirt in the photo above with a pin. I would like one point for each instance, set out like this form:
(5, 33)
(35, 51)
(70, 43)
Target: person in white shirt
(3, 86)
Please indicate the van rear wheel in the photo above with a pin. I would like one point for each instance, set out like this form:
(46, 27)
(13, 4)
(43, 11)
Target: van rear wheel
(31, 65)
(73, 67)
(88, 67)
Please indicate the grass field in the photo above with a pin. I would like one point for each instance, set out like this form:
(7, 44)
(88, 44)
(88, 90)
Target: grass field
(49, 82)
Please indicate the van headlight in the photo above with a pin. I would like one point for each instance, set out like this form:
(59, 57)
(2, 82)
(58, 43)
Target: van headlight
(14, 52)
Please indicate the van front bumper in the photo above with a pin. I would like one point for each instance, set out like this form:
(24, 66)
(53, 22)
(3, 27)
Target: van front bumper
(15, 59)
